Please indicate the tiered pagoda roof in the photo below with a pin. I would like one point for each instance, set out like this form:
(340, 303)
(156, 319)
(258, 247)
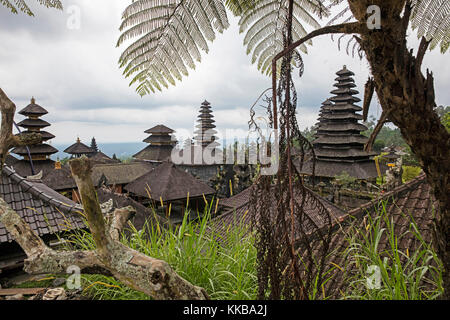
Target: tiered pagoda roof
(161, 143)
(205, 133)
(33, 124)
(78, 149)
(338, 143)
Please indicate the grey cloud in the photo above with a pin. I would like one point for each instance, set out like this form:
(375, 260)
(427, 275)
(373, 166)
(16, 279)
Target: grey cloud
(77, 70)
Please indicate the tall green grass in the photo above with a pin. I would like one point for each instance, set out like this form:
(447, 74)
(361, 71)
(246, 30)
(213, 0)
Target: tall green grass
(226, 267)
(403, 274)
(194, 252)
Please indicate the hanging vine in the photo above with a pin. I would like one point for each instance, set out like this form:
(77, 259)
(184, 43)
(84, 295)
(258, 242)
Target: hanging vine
(288, 265)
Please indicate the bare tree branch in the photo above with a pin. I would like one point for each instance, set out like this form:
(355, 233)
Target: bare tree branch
(421, 53)
(118, 221)
(376, 131)
(348, 28)
(369, 89)
(7, 139)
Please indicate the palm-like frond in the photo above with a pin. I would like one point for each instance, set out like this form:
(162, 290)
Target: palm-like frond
(21, 5)
(265, 21)
(431, 18)
(172, 34)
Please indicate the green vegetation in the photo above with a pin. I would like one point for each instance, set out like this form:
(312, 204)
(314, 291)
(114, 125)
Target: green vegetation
(125, 159)
(226, 267)
(403, 275)
(410, 172)
(64, 160)
(198, 255)
(444, 115)
(345, 180)
(387, 137)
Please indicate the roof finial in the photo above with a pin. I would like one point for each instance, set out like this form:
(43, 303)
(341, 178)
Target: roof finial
(78, 140)
(345, 67)
(33, 101)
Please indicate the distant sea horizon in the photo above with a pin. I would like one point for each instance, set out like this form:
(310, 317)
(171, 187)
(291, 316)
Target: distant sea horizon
(121, 150)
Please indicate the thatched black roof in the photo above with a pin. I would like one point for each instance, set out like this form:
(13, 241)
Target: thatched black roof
(155, 153)
(345, 152)
(33, 123)
(342, 115)
(344, 72)
(340, 140)
(23, 167)
(44, 149)
(341, 107)
(100, 157)
(365, 169)
(119, 173)
(168, 183)
(160, 139)
(33, 109)
(59, 179)
(159, 129)
(79, 148)
(45, 135)
(340, 127)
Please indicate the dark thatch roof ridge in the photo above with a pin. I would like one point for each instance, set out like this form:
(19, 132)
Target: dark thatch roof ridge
(120, 173)
(168, 182)
(155, 152)
(45, 135)
(79, 148)
(160, 128)
(33, 109)
(38, 123)
(42, 148)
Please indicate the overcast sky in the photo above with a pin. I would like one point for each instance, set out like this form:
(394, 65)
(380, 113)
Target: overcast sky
(74, 74)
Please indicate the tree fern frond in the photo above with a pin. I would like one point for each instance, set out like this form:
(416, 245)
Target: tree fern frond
(338, 16)
(172, 33)
(9, 5)
(431, 20)
(21, 5)
(264, 24)
(237, 7)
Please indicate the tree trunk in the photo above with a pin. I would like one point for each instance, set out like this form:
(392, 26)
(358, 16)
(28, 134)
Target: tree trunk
(7, 139)
(407, 97)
